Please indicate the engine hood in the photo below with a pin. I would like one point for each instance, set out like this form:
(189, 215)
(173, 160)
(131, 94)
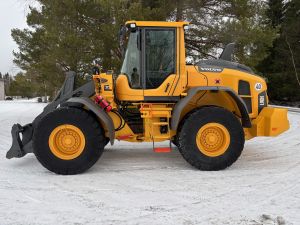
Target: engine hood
(211, 64)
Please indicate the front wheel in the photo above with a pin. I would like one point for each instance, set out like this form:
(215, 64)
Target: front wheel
(211, 138)
(68, 141)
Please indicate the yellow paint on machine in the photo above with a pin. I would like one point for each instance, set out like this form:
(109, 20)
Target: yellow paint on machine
(213, 139)
(270, 122)
(66, 142)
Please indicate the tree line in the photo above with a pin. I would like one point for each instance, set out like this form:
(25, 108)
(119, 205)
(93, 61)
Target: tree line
(20, 85)
(73, 33)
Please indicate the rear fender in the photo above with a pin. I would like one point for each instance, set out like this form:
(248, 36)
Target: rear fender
(179, 107)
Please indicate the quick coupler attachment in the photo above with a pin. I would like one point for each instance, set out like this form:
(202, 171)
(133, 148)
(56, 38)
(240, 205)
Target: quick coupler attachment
(19, 147)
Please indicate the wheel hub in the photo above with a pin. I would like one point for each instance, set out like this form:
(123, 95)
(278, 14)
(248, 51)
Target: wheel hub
(66, 142)
(213, 139)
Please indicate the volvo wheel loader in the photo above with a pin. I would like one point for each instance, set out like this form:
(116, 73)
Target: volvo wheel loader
(207, 109)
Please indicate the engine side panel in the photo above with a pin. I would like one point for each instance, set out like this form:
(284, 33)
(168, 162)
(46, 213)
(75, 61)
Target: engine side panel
(255, 99)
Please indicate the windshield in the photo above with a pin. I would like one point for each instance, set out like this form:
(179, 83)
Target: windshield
(131, 63)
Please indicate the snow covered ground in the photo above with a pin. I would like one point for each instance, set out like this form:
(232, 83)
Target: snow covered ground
(132, 185)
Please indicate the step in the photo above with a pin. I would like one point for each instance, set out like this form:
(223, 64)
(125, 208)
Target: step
(160, 123)
(162, 150)
(161, 137)
(124, 137)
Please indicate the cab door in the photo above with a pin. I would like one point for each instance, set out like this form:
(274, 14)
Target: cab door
(128, 83)
(159, 61)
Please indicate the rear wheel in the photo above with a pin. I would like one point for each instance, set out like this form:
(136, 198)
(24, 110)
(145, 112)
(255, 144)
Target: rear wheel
(68, 141)
(211, 138)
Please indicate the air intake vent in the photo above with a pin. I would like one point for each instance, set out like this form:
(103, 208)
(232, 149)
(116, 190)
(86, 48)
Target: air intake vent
(244, 88)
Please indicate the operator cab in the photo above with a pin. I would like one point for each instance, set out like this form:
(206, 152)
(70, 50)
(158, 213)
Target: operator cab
(150, 67)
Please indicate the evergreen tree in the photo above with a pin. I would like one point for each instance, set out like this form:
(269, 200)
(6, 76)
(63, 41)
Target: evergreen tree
(217, 23)
(7, 81)
(291, 34)
(275, 12)
(73, 33)
(278, 67)
(21, 86)
(7, 77)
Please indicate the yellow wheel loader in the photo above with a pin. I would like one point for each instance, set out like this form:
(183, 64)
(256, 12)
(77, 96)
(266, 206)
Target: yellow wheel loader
(207, 109)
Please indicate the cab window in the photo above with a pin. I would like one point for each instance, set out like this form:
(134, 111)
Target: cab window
(160, 57)
(131, 63)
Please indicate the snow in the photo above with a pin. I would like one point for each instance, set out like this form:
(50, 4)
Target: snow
(131, 184)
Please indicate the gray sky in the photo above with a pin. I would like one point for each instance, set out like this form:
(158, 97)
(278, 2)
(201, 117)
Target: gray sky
(12, 15)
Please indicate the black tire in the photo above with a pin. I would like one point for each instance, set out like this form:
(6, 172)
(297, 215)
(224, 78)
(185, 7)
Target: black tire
(175, 141)
(90, 127)
(106, 141)
(192, 124)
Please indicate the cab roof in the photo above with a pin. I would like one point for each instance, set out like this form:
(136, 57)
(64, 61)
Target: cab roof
(157, 23)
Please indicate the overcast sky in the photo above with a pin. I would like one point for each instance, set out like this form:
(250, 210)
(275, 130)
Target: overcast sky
(12, 15)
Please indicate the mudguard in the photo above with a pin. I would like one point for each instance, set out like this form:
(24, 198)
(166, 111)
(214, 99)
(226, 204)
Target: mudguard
(246, 122)
(99, 112)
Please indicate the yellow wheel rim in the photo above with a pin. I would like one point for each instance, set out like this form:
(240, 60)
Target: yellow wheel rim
(213, 139)
(66, 142)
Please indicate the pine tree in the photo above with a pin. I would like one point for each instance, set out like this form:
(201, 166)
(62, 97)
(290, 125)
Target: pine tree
(275, 12)
(217, 23)
(21, 86)
(73, 33)
(6, 76)
(278, 66)
(7, 81)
